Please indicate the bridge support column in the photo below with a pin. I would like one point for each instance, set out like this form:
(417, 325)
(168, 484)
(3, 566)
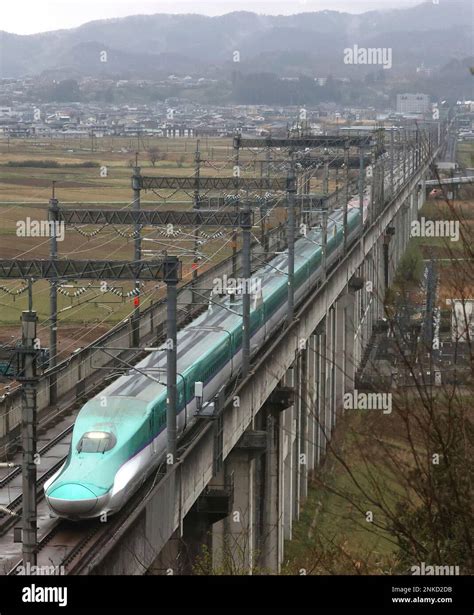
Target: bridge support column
(366, 297)
(340, 355)
(392, 256)
(345, 346)
(321, 374)
(358, 347)
(331, 374)
(349, 361)
(233, 538)
(297, 435)
(287, 435)
(405, 214)
(168, 561)
(302, 460)
(312, 403)
(271, 544)
(196, 542)
(381, 288)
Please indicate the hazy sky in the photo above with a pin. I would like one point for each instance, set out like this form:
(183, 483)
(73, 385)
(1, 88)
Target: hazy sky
(29, 16)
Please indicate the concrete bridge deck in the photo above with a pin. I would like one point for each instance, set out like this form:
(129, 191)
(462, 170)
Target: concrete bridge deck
(259, 457)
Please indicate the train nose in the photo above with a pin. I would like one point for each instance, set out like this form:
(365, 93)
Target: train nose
(72, 499)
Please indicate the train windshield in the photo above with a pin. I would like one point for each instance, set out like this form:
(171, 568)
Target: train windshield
(96, 442)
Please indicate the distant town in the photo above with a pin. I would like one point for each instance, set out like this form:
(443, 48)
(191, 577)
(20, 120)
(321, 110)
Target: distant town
(180, 118)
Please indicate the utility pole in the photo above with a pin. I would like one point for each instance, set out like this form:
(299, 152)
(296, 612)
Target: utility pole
(381, 169)
(361, 184)
(324, 226)
(246, 226)
(30, 294)
(392, 163)
(418, 156)
(404, 154)
(290, 195)
(263, 228)
(268, 156)
(29, 383)
(347, 194)
(135, 321)
(197, 204)
(264, 210)
(171, 278)
(326, 176)
(53, 297)
(373, 185)
(236, 174)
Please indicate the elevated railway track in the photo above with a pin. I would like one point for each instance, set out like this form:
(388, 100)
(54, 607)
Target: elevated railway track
(80, 548)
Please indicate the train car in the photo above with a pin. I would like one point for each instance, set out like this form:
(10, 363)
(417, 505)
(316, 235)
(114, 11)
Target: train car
(119, 436)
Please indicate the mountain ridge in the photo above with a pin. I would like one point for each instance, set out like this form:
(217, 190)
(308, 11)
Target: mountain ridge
(205, 45)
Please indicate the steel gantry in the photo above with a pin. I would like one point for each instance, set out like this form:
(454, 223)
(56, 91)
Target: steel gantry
(305, 142)
(167, 270)
(144, 217)
(251, 184)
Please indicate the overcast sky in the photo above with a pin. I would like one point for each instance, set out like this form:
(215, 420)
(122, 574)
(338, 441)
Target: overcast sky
(29, 16)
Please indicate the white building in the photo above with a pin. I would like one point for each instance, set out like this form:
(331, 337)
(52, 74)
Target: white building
(413, 103)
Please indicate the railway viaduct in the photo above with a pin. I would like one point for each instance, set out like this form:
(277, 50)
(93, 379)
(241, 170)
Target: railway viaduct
(241, 482)
(242, 474)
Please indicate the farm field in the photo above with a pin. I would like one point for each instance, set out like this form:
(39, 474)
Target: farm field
(28, 169)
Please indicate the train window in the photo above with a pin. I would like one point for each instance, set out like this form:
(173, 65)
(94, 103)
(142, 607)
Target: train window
(96, 442)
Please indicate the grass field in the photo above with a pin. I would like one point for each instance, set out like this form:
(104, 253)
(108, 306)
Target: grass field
(26, 190)
(332, 536)
(465, 154)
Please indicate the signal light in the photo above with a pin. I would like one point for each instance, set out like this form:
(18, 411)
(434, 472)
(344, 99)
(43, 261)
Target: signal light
(136, 301)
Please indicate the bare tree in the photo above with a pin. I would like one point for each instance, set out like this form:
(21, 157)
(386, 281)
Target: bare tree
(154, 155)
(406, 478)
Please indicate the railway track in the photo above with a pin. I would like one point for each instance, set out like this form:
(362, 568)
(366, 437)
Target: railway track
(58, 535)
(52, 458)
(68, 545)
(17, 471)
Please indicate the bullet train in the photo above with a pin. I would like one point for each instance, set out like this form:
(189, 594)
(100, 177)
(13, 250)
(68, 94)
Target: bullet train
(119, 436)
